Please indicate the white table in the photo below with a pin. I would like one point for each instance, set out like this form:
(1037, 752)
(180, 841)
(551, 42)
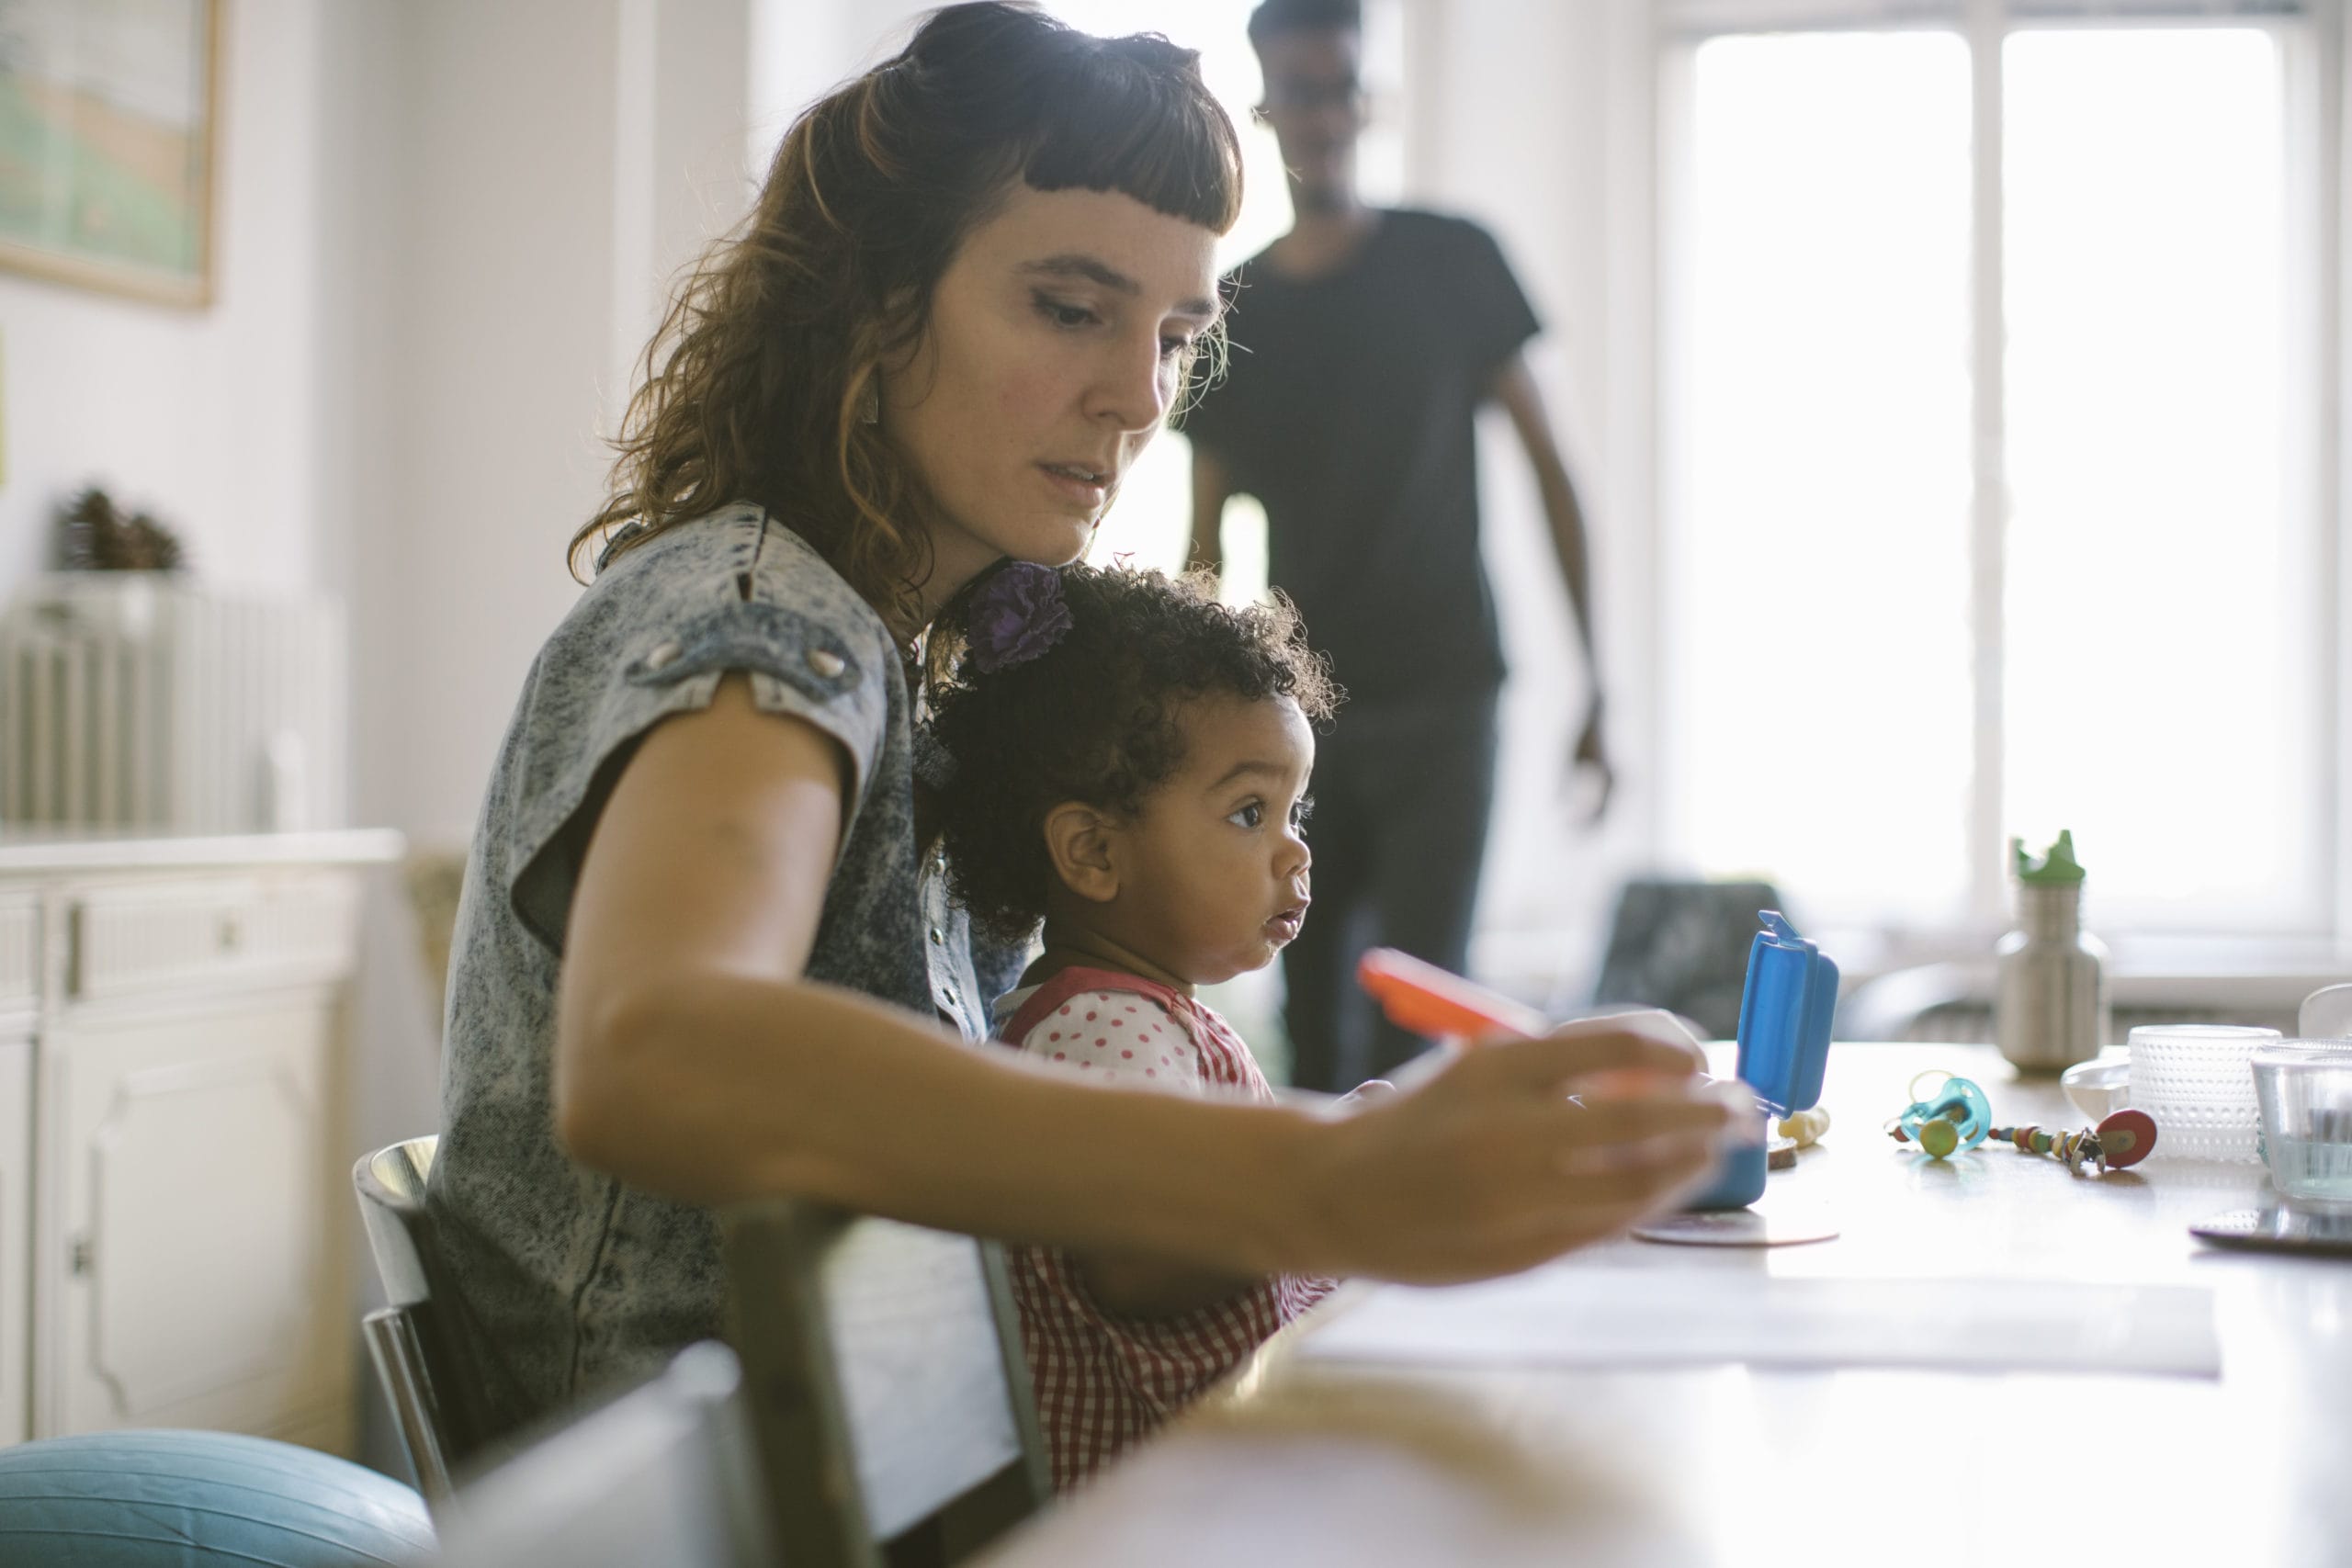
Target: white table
(1440, 1460)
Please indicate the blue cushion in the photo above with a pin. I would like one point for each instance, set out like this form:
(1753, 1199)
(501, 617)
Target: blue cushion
(197, 1499)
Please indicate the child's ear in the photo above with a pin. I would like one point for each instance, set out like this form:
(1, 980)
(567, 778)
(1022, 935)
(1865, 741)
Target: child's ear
(1079, 836)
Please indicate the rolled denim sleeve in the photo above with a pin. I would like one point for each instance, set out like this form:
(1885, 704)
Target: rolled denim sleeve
(812, 649)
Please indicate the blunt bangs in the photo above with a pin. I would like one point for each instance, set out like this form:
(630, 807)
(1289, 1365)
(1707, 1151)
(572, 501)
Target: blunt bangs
(1110, 121)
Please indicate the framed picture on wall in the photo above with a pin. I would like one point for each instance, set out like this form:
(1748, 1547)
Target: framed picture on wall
(107, 117)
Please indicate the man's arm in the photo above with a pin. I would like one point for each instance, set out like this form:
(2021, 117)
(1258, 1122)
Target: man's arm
(1212, 485)
(1514, 387)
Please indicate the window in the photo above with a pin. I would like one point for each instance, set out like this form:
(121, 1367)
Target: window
(1990, 464)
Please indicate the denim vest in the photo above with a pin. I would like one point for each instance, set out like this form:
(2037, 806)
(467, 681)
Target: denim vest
(575, 1281)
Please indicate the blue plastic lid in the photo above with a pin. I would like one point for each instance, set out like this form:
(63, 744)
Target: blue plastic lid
(1784, 1016)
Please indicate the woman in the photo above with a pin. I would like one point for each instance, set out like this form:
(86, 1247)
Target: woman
(706, 952)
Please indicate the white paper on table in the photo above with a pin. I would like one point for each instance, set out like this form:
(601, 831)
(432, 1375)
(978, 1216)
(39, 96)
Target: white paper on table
(1609, 1318)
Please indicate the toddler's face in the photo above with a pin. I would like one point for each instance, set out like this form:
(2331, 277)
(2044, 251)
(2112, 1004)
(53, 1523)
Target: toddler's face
(1214, 870)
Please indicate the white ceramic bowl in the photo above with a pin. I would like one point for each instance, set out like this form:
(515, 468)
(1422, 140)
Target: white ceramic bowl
(2326, 1014)
(2100, 1086)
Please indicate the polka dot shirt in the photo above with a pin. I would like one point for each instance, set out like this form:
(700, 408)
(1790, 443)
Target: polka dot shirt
(1104, 1382)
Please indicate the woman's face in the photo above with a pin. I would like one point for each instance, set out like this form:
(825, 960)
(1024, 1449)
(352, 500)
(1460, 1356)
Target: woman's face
(1057, 344)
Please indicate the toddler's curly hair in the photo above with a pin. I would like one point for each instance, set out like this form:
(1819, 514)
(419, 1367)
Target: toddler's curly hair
(1097, 719)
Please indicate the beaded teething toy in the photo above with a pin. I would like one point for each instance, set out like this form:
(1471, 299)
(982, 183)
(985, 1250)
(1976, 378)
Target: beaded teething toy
(1958, 1116)
(2123, 1139)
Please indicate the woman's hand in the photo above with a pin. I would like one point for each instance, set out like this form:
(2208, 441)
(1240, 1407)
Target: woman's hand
(1371, 1091)
(1481, 1164)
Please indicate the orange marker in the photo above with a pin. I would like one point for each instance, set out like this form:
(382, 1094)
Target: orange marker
(1425, 999)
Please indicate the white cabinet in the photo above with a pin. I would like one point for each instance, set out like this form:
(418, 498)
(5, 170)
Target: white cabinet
(16, 1238)
(201, 1280)
(181, 1088)
(19, 1001)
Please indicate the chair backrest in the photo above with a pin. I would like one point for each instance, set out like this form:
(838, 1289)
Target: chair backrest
(432, 1364)
(390, 1184)
(1683, 946)
(884, 1382)
(665, 1475)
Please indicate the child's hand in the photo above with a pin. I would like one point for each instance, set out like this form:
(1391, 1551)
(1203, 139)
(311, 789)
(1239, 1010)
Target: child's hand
(1480, 1165)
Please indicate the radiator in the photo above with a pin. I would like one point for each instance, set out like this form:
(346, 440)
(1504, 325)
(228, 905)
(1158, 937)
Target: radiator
(132, 701)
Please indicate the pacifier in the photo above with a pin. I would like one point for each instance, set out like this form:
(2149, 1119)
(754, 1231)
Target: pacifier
(1954, 1115)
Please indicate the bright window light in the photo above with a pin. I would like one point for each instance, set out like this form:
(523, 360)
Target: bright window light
(1816, 648)
(2159, 649)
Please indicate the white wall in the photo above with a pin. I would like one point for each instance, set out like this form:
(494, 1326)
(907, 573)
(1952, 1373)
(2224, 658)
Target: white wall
(800, 49)
(537, 172)
(1523, 111)
(489, 212)
(438, 224)
(208, 417)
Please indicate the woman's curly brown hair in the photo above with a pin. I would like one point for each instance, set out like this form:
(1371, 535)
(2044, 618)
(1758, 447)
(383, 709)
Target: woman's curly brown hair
(1097, 718)
(751, 388)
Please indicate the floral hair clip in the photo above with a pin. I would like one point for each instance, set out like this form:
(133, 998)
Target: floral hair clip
(1016, 615)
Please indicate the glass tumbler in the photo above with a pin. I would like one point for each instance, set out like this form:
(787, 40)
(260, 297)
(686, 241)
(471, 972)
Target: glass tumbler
(2304, 1090)
(2326, 1014)
(2196, 1081)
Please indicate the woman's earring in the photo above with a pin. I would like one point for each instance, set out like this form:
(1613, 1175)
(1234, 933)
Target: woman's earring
(869, 406)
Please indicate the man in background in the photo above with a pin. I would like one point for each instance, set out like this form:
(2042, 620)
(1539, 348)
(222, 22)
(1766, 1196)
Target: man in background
(1363, 342)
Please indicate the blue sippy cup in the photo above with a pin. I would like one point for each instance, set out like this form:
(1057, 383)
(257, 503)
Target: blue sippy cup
(1784, 1014)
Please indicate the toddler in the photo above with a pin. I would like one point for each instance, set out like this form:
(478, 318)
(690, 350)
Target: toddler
(1130, 761)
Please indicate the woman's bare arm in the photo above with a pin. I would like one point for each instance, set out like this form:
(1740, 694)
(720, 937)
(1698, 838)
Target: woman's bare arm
(693, 1060)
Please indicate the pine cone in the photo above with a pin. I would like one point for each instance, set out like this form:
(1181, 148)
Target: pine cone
(85, 532)
(148, 546)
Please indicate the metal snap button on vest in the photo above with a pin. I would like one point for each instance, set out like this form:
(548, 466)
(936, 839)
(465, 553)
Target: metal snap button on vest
(663, 656)
(825, 662)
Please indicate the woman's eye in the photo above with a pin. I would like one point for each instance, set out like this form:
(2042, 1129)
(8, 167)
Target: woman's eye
(1175, 347)
(1249, 815)
(1063, 315)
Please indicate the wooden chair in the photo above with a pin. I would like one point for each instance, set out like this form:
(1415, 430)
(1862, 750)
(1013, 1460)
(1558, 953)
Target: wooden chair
(884, 1384)
(664, 1476)
(430, 1361)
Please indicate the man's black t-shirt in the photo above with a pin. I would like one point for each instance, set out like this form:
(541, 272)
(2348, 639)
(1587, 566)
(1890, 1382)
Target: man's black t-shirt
(1348, 410)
